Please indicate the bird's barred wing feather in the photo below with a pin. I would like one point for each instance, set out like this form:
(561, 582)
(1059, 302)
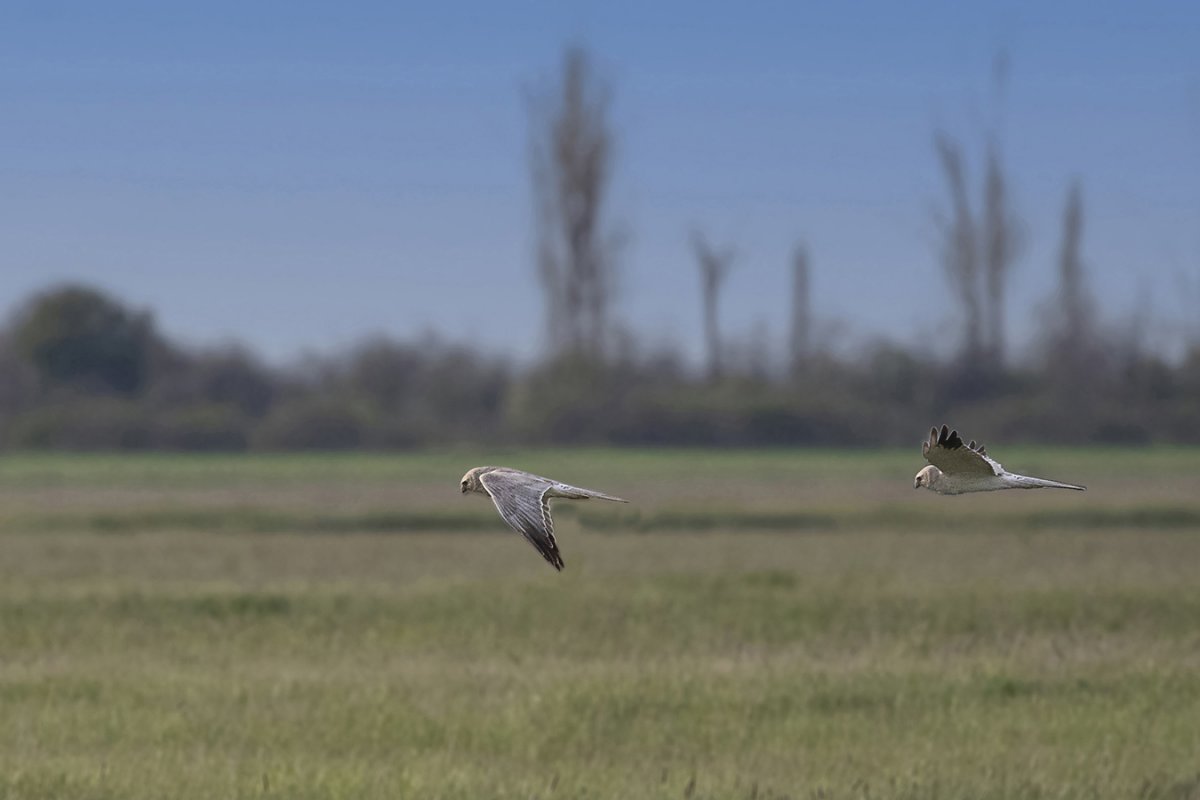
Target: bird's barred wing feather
(521, 499)
(946, 451)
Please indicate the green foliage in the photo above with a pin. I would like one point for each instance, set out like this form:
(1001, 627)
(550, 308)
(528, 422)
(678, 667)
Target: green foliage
(91, 423)
(312, 423)
(202, 427)
(79, 336)
(571, 399)
(80, 371)
(422, 392)
(229, 379)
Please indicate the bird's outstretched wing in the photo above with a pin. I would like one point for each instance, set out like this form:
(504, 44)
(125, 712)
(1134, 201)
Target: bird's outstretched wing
(521, 500)
(946, 451)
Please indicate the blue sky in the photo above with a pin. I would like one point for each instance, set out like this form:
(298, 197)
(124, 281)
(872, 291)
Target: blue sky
(298, 176)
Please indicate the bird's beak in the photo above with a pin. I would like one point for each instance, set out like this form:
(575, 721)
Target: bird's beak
(916, 484)
(464, 488)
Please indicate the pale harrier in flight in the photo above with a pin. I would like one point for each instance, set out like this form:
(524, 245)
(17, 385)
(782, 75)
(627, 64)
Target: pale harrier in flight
(956, 468)
(523, 501)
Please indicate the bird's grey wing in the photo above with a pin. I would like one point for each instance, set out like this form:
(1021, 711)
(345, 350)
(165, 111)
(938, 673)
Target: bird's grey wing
(557, 488)
(521, 500)
(946, 450)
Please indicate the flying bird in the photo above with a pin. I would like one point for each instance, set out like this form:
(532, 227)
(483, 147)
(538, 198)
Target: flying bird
(523, 500)
(957, 468)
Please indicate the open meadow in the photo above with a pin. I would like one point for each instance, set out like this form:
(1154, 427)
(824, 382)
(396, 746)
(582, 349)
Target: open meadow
(754, 625)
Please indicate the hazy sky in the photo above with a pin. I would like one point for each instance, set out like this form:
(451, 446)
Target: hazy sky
(300, 175)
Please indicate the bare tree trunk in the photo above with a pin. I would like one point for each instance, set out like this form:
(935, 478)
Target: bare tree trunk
(959, 255)
(1001, 230)
(1002, 242)
(714, 267)
(801, 309)
(570, 165)
(1189, 294)
(1073, 298)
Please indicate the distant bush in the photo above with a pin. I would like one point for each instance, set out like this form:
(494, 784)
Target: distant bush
(80, 336)
(570, 400)
(229, 378)
(317, 423)
(80, 370)
(99, 423)
(209, 428)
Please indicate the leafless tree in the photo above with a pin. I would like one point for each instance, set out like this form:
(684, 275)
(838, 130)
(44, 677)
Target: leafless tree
(978, 253)
(1074, 300)
(1188, 293)
(571, 157)
(714, 267)
(959, 252)
(1002, 241)
(801, 309)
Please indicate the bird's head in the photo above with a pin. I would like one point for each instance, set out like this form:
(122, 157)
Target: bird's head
(927, 477)
(470, 481)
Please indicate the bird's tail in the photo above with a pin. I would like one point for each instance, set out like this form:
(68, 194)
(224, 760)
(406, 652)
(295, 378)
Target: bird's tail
(576, 493)
(1041, 483)
(603, 496)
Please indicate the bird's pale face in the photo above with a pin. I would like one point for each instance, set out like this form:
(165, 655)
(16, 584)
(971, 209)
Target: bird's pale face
(470, 481)
(926, 477)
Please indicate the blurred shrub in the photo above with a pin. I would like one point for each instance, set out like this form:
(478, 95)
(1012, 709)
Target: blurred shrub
(99, 423)
(202, 428)
(18, 381)
(1119, 430)
(79, 336)
(79, 370)
(231, 378)
(312, 423)
(569, 400)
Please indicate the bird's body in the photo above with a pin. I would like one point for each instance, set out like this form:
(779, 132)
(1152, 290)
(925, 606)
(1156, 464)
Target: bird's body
(958, 468)
(944, 483)
(523, 500)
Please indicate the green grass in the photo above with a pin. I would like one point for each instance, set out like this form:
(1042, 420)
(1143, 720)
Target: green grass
(322, 627)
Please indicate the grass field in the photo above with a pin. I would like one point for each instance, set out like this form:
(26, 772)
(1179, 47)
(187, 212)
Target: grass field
(753, 626)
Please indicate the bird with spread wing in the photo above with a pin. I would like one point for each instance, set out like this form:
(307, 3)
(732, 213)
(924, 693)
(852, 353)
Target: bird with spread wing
(957, 468)
(523, 500)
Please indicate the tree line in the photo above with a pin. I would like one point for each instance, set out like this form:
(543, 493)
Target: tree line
(80, 369)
